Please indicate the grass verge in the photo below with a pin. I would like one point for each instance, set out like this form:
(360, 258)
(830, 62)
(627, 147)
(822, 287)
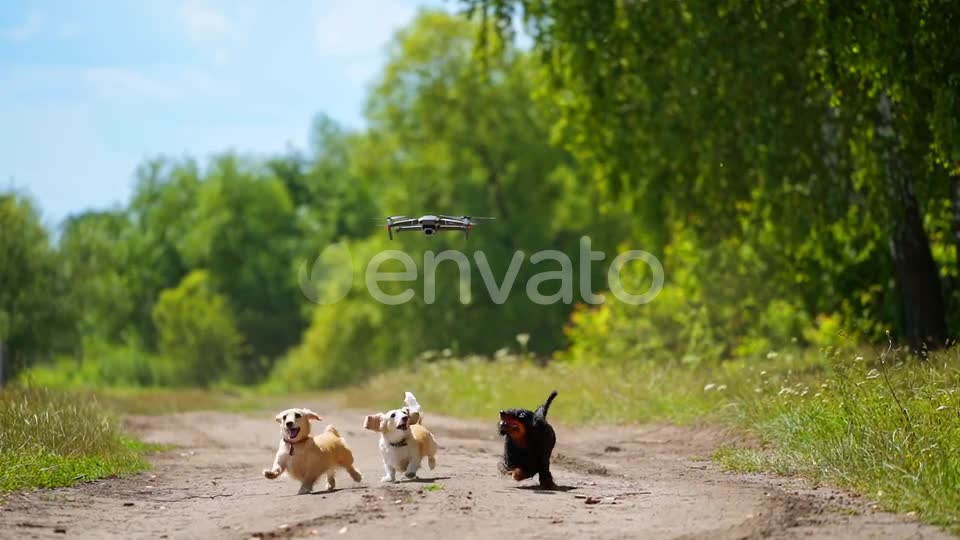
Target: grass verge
(152, 401)
(477, 387)
(52, 439)
(883, 426)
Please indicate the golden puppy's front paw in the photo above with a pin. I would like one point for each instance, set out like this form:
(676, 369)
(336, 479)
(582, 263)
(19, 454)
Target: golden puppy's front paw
(270, 474)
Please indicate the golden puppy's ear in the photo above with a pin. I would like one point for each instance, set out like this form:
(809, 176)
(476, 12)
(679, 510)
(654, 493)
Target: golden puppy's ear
(278, 417)
(414, 418)
(311, 415)
(373, 422)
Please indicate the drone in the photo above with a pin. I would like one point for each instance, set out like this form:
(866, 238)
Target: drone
(431, 225)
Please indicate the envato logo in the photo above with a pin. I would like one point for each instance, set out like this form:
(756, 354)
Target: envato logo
(332, 276)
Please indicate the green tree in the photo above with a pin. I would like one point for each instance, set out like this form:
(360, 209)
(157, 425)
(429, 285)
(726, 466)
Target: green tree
(99, 267)
(161, 211)
(33, 321)
(448, 134)
(891, 68)
(196, 332)
(244, 232)
(451, 134)
(796, 128)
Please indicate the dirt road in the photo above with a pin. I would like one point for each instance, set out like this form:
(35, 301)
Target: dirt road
(617, 482)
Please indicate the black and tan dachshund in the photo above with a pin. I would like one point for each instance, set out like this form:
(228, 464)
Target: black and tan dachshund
(528, 444)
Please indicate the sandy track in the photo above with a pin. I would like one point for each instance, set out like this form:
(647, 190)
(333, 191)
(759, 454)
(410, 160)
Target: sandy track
(618, 482)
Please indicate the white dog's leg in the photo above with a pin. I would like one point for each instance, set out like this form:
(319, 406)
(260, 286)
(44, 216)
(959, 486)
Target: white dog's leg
(413, 466)
(277, 468)
(391, 473)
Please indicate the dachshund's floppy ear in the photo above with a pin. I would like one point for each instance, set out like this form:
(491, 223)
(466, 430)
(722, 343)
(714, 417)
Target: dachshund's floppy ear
(278, 417)
(373, 422)
(311, 415)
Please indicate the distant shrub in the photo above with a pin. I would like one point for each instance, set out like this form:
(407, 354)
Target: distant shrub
(338, 348)
(197, 333)
(103, 365)
(717, 302)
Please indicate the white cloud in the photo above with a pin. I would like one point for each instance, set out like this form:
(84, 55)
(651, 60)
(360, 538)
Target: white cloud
(363, 70)
(32, 25)
(359, 27)
(110, 82)
(202, 22)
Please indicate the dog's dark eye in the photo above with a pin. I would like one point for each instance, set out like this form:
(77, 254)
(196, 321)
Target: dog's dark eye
(296, 415)
(393, 415)
(522, 415)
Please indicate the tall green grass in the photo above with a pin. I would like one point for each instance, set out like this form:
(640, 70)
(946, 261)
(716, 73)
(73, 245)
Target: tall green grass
(477, 387)
(52, 439)
(882, 425)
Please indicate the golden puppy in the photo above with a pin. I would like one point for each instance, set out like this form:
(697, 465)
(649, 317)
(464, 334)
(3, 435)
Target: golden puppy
(307, 458)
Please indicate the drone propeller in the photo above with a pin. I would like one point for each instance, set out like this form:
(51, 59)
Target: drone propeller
(467, 218)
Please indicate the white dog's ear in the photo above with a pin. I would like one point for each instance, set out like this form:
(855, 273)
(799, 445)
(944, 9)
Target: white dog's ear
(373, 422)
(311, 415)
(411, 402)
(278, 417)
(413, 407)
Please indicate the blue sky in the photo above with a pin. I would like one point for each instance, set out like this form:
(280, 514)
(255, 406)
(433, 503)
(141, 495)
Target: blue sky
(90, 89)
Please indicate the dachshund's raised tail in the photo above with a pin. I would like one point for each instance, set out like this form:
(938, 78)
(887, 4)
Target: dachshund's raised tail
(542, 410)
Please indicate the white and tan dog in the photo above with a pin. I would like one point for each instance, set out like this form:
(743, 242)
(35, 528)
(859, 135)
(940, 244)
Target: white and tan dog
(404, 442)
(307, 458)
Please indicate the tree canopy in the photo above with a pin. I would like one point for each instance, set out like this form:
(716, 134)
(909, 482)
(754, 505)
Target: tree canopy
(795, 166)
